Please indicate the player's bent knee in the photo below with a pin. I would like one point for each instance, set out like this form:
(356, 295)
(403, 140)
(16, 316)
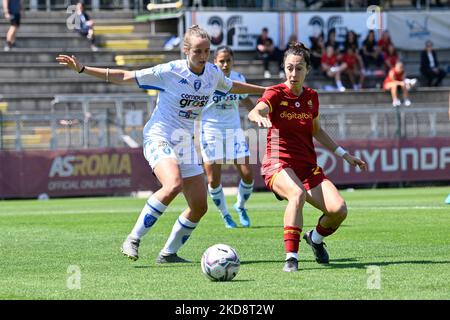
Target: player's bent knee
(174, 189)
(341, 212)
(297, 195)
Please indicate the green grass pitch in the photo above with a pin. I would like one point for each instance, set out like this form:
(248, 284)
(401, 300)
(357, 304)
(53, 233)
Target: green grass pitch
(395, 244)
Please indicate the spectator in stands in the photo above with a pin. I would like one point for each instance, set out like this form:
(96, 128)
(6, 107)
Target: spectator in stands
(331, 41)
(351, 40)
(267, 51)
(370, 52)
(396, 79)
(429, 66)
(168, 132)
(384, 42)
(355, 67)
(11, 10)
(390, 57)
(331, 67)
(317, 51)
(85, 25)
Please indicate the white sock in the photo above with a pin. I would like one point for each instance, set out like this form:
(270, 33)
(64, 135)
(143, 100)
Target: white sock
(339, 83)
(152, 210)
(316, 237)
(291, 255)
(181, 231)
(219, 199)
(244, 193)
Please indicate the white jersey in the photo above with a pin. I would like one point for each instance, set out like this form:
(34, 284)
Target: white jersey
(222, 112)
(183, 94)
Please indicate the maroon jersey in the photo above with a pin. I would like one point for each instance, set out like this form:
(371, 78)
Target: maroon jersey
(290, 139)
(329, 60)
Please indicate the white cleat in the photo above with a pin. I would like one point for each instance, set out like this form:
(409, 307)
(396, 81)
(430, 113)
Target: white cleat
(396, 103)
(130, 248)
(407, 102)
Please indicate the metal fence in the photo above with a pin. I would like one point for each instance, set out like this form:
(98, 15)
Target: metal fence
(75, 121)
(93, 121)
(265, 5)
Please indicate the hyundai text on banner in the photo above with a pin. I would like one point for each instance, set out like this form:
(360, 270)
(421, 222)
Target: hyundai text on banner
(388, 160)
(112, 171)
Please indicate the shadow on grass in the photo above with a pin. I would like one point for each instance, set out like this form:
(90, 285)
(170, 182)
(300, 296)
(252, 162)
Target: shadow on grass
(362, 265)
(306, 227)
(167, 265)
(264, 227)
(233, 281)
(260, 261)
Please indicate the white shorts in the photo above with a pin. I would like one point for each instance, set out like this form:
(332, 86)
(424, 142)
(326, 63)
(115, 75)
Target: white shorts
(186, 156)
(223, 144)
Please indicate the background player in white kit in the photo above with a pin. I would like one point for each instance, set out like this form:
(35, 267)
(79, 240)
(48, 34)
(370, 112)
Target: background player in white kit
(223, 140)
(185, 87)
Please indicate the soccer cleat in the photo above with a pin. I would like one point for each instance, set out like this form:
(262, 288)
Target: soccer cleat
(243, 216)
(170, 258)
(318, 249)
(130, 248)
(267, 74)
(229, 223)
(290, 265)
(407, 102)
(410, 83)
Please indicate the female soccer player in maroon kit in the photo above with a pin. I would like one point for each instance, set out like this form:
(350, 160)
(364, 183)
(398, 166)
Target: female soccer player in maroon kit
(290, 167)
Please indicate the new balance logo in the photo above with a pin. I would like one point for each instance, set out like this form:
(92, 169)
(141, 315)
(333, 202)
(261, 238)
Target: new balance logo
(183, 81)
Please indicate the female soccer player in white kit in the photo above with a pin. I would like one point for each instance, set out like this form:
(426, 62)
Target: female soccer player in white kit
(222, 139)
(185, 87)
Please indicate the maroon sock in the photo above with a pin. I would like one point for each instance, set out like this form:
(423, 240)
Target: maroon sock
(324, 232)
(291, 238)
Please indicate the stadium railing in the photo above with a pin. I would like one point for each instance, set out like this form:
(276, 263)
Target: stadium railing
(258, 5)
(93, 121)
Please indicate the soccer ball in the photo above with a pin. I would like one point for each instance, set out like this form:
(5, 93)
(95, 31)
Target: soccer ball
(220, 262)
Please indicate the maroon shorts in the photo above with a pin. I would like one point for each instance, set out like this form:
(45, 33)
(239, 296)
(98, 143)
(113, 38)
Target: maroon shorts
(310, 178)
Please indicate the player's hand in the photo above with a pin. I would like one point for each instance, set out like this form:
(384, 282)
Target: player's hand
(254, 116)
(354, 161)
(70, 62)
(7, 16)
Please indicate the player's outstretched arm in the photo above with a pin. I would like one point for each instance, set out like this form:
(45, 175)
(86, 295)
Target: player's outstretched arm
(109, 75)
(243, 87)
(255, 115)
